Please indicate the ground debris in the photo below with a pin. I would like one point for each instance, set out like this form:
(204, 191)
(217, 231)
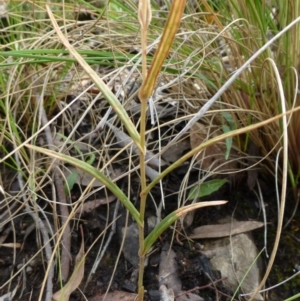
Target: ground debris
(170, 284)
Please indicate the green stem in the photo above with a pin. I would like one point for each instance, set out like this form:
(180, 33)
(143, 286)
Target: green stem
(143, 197)
(293, 297)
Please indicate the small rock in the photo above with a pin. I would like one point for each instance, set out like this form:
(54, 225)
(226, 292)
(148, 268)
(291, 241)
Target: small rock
(168, 270)
(233, 256)
(131, 243)
(154, 295)
(129, 287)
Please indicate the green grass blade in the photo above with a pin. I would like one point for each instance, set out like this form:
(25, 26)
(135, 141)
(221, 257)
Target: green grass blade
(293, 298)
(171, 218)
(94, 172)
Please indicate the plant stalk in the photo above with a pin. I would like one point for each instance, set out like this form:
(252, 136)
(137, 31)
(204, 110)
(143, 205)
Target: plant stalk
(143, 197)
(145, 92)
(144, 15)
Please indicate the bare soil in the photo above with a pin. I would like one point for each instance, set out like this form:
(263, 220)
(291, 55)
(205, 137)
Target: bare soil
(191, 268)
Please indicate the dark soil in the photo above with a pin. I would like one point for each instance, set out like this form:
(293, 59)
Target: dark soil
(191, 267)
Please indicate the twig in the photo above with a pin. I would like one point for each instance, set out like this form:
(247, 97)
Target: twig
(44, 232)
(66, 237)
(99, 257)
(262, 204)
(209, 285)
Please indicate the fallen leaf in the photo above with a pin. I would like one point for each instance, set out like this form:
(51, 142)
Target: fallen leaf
(11, 245)
(114, 296)
(91, 205)
(223, 230)
(76, 278)
(176, 150)
(189, 297)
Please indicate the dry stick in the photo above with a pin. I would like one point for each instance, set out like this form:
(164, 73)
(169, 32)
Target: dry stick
(64, 212)
(66, 237)
(100, 256)
(211, 285)
(46, 240)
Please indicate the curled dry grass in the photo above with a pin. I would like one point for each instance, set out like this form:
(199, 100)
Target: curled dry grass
(256, 93)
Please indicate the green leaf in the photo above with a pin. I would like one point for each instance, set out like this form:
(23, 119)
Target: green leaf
(228, 141)
(90, 159)
(70, 141)
(206, 188)
(71, 180)
(228, 117)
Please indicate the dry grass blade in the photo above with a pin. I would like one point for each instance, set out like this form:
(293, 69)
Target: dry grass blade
(92, 205)
(283, 183)
(231, 80)
(76, 278)
(212, 142)
(214, 155)
(163, 48)
(144, 15)
(125, 141)
(11, 245)
(113, 296)
(109, 96)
